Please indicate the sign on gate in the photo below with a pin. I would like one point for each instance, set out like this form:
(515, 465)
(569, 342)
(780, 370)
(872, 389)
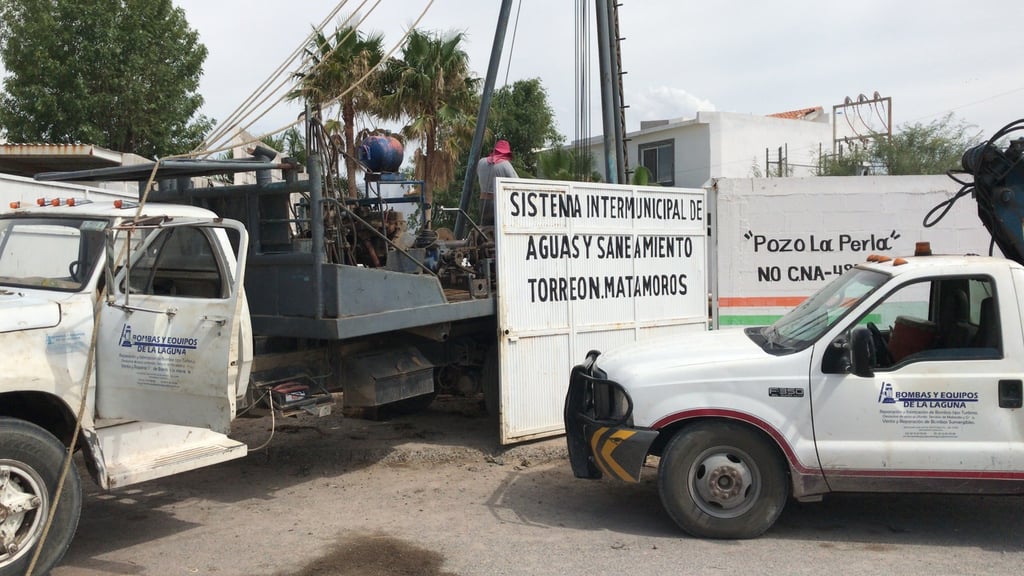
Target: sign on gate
(584, 266)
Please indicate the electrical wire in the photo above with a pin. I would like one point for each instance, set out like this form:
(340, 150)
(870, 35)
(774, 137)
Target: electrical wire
(208, 151)
(333, 101)
(239, 113)
(512, 45)
(273, 426)
(306, 60)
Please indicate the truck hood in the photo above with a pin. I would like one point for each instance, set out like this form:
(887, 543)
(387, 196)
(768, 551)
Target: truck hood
(636, 363)
(703, 369)
(20, 311)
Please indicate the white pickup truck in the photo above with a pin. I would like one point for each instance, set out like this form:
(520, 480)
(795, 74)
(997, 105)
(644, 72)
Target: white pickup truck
(149, 355)
(902, 375)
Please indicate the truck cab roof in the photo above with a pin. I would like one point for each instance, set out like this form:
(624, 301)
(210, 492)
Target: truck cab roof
(107, 209)
(944, 264)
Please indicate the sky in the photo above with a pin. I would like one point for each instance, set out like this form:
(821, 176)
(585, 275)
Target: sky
(751, 57)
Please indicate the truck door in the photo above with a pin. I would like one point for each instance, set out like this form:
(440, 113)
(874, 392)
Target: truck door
(165, 333)
(939, 408)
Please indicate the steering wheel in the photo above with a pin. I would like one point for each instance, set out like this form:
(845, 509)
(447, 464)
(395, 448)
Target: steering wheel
(881, 348)
(73, 270)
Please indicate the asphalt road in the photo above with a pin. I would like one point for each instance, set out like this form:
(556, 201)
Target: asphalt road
(433, 494)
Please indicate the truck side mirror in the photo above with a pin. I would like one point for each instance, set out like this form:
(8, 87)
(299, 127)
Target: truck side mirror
(862, 352)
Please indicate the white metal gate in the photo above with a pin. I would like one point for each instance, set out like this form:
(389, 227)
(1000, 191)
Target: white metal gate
(586, 266)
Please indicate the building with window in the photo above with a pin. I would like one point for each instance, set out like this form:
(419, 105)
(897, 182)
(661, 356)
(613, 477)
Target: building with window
(687, 152)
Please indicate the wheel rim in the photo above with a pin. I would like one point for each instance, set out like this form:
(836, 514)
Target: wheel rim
(24, 505)
(724, 482)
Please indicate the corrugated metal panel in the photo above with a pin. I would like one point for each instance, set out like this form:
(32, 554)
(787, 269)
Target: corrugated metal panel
(588, 266)
(29, 159)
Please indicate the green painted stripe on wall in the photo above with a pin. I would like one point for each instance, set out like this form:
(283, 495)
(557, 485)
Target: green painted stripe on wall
(763, 319)
(747, 320)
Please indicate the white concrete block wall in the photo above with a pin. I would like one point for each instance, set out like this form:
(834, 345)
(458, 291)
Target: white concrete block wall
(778, 240)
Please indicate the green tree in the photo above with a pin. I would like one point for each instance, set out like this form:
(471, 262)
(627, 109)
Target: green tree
(337, 66)
(432, 90)
(521, 114)
(122, 74)
(570, 164)
(916, 148)
(291, 143)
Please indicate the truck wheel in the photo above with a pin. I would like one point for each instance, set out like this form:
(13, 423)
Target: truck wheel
(30, 463)
(721, 480)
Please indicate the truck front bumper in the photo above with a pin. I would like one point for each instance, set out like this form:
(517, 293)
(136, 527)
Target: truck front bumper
(598, 426)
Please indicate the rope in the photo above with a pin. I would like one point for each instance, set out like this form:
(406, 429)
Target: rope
(91, 356)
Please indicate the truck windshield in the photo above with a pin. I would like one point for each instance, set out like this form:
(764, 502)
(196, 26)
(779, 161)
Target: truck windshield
(50, 253)
(803, 325)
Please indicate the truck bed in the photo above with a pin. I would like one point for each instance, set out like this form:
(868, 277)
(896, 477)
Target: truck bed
(355, 301)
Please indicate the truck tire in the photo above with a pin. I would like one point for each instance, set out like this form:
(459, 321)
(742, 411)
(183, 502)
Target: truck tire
(30, 464)
(722, 480)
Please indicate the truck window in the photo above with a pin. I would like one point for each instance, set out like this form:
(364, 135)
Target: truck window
(52, 253)
(948, 319)
(803, 325)
(179, 262)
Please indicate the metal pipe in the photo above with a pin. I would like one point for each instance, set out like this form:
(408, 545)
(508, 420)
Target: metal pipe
(604, 56)
(277, 188)
(481, 119)
(618, 110)
(316, 214)
(341, 206)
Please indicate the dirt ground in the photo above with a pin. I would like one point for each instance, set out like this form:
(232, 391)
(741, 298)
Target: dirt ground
(266, 513)
(433, 494)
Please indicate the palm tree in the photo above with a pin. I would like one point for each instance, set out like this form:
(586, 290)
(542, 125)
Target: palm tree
(433, 90)
(570, 164)
(337, 65)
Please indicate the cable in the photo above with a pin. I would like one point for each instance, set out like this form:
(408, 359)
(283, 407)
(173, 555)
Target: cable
(322, 62)
(333, 101)
(982, 101)
(946, 204)
(238, 114)
(512, 46)
(940, 210)
(273, 426)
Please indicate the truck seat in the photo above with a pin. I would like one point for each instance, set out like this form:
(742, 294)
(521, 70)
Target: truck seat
(988, 326)
(955, 329)
(910, 335)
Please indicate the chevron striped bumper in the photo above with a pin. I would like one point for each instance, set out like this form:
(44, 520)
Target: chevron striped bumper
(598, 427)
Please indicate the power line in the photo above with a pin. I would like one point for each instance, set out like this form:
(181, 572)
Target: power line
(969, 104)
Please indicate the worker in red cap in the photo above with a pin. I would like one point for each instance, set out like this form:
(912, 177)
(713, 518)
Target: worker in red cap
(489, 168)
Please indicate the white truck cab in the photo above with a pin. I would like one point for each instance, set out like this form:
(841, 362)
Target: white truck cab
(137, 327)
(901, 375)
